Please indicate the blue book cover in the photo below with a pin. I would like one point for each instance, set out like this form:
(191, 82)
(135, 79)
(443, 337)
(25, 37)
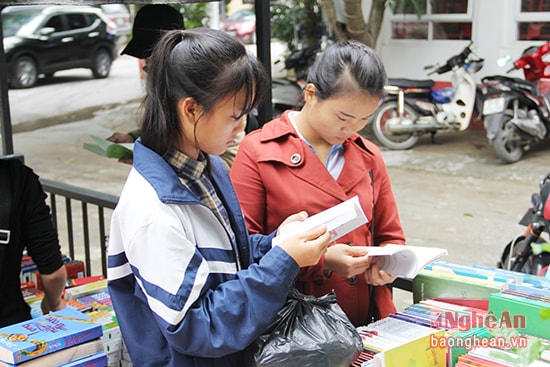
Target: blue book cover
(46, 334)
(95, 360)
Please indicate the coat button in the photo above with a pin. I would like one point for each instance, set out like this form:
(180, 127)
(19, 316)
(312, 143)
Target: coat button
(295, 158)
(352, 280)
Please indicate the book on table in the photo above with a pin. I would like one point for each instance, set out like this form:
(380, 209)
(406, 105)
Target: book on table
(94, 360)
(405, 261)
(66, 357)
(46, 334)
(339, 221)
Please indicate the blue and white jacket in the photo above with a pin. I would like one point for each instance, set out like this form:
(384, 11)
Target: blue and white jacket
(183, 293)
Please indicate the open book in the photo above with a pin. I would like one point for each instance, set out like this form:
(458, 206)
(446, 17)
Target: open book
(109, 149)
(340, 220)
(405, 261)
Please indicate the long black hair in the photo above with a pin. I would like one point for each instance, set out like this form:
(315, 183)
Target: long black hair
(202, 63)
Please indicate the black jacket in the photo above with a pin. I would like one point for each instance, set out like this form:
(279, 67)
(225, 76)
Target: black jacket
(31, 227)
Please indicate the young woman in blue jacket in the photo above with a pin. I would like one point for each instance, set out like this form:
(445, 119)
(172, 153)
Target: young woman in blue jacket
(190, 285)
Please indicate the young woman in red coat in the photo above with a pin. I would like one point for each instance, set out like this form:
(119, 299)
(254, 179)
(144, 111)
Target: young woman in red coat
(313, 159)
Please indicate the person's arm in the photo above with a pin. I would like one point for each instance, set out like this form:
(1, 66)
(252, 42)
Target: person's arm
(42, 243)
(53, 285)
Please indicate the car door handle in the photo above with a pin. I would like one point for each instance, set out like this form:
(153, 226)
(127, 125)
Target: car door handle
(93, 34)
(67, 39)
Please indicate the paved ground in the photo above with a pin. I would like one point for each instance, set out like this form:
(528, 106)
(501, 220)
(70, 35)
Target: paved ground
(453, 194)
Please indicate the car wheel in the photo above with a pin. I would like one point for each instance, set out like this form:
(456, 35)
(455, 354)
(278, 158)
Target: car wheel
(102, 64)
(25, 73)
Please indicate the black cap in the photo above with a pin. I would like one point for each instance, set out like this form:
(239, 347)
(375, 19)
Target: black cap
(149, 23)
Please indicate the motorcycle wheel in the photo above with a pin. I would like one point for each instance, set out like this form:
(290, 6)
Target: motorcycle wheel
(381, 129)
(507, 142)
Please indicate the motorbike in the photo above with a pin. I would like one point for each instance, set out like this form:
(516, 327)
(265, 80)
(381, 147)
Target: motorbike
(516, 112)
(412, 108)
(287, 92)
(529, 252)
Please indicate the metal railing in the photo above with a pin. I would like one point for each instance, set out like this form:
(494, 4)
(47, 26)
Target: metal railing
(60, 192)
(82, 232)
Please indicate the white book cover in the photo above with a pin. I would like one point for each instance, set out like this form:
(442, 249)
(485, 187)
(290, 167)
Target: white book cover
(405, 261)
(339, 220)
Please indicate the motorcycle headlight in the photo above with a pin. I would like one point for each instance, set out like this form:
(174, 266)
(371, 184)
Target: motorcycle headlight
(493, 105)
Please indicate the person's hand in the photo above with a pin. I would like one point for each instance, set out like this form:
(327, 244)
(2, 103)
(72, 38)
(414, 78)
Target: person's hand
(375, 276)
(347, 260)
(126, 160)
(307, 248)
(300, 216)
(47, 308)
(121, 138)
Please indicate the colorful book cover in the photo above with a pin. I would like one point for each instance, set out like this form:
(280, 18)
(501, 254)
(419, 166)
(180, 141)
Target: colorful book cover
(525, 315)
(435, 284)
(98, 301)
(401, 343)
(64, 356)
(95, 360)
(46, 334)
(85, 289)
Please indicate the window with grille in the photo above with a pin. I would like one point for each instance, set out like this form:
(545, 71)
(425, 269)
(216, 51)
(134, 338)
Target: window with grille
(532, 22)
(433, 20)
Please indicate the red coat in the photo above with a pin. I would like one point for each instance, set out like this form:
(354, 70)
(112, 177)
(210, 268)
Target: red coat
(275, 174)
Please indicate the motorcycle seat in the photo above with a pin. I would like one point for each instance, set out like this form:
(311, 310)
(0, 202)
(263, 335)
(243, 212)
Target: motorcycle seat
(409, 83)
(518, 82)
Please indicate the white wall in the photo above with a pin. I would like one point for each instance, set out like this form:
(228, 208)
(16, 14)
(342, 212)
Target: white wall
(493, 33)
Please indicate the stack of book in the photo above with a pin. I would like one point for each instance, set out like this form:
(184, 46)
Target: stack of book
(394, 342)
(523, 308)
(102, 312)
(61, 338)
(85, 289)
(510, 349)
(95, 301)
(473, 282)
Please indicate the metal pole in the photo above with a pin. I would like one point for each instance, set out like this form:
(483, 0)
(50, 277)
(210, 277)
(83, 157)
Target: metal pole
(263, 47)
(5, 119)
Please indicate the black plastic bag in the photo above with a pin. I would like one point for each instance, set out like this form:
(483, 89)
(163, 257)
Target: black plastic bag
(308, 331)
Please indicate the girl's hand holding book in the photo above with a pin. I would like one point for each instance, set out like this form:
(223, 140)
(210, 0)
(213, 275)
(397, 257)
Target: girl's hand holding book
(306, 248)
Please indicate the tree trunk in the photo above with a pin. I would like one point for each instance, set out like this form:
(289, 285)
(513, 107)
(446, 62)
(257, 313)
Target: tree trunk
(337, 27)
(355, 23)
(376, 17)
(355, 27)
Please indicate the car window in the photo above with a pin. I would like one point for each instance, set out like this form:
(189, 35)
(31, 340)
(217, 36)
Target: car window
(77, 21)
(55, 22)
(114, 8)
(13, 21)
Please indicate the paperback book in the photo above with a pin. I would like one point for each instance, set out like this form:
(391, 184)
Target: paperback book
(109, 149)
(65, 357)
(95, 360)
(339, 221)
(405, 261)
(46, 334)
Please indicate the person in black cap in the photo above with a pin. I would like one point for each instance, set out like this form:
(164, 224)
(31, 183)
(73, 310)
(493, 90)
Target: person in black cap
(150, 23)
